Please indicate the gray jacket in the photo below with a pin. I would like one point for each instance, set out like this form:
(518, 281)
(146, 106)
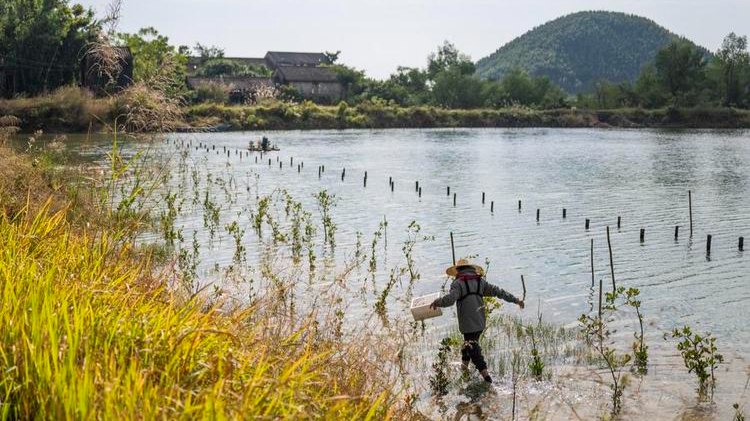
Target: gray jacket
(469, 303)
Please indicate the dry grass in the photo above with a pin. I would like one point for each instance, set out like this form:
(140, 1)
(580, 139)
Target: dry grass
(91, 330)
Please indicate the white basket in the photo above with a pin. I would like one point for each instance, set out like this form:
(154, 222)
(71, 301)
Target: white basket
(420, 307)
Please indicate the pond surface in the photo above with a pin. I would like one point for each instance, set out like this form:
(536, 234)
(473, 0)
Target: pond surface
(642, 177)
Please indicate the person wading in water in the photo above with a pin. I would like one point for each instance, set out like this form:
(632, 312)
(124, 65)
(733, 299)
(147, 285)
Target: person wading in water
(467, 291)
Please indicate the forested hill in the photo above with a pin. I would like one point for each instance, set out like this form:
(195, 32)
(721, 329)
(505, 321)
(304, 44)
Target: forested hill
(577, 50)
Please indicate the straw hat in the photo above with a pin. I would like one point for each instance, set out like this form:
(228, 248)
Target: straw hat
(453, 270)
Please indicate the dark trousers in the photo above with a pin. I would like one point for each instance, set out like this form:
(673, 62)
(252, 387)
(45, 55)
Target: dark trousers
(471, 351)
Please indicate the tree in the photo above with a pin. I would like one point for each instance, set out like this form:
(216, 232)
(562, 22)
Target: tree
(207, 53)
(42, 41)
(332, 57)
(455, 89)
(156, 61)
(648, 90)
(679, 68)
(448, 56)
(733, 62)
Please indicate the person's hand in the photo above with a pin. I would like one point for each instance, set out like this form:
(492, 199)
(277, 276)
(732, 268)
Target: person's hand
(521, 304)
(434, 305)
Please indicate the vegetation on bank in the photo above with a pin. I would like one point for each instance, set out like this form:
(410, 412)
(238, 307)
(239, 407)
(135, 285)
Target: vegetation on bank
(94, 329)
(139, 109)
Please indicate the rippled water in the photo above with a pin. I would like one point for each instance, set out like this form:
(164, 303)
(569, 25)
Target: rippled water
(641, 176)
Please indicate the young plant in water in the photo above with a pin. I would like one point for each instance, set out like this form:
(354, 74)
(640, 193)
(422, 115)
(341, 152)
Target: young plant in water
(536, 365)
(640, 350)
(439, 380)
(169, 216)
(699, 355)
(597, 332)
(187, 263)
(325, 202)
(239, 249)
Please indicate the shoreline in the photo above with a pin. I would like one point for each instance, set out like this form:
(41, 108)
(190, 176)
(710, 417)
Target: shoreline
(96, 115)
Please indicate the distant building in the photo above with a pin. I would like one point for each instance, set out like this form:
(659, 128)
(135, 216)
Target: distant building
(311, 82)
(305, 72)
(94, 73)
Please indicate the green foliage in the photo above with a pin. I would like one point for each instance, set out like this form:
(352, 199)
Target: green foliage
(157, 63)
(699, 353)
(41, 42)
(731, 71)
(229, 67)
(679, 68)
(578, 50)
(439, 380)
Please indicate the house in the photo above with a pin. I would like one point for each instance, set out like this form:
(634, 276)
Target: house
(307, 73)
(319, 83)
(95, 74)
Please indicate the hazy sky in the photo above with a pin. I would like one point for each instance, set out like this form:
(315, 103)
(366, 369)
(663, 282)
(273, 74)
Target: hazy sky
(379, 35)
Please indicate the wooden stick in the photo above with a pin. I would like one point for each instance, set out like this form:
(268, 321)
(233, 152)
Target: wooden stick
(611, 261)
(592, 263)
(708, 244)
(676, 232)
(492, 206)
(587, 223)
(619, 220)
(690, 207)
(453, 250)
(523, 284)
(565, 213)
(454, 199)
(537, 215)
(519, 205)
(483, 198)
(741, 244)
(643, 235)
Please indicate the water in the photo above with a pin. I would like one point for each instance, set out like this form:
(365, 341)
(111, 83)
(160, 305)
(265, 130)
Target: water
(641, 176)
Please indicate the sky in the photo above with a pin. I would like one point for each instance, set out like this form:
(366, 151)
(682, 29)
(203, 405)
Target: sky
(379, 35)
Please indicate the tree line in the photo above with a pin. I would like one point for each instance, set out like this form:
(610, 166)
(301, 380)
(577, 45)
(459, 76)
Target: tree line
(43, 41)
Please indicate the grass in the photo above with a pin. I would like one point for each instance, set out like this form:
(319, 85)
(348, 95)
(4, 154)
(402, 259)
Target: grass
(140, 109)
(91, 330)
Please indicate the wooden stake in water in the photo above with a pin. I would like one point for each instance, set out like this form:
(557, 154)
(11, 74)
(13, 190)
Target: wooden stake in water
(565, 213)
(448, 191)
(611, 261)
(619, 220)
(343, 174)
(519, 206)
(592, 263)
(454, 199)
(537, 215)
(741, 244)
(492, 206)
(483, 198)
(690, 208)
(676, 232)
(392, 185)
(523, 285)
(416, 186)
(643, 235)
(420, 192)
(587, 224)
(708, 244)
(453, 250)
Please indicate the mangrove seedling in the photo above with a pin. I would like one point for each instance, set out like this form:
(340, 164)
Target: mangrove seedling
(640, 349)
(699, 355)
(596, 332)
(439, 380)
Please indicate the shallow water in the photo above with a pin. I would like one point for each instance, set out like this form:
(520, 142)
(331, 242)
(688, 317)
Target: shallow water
(641, 176)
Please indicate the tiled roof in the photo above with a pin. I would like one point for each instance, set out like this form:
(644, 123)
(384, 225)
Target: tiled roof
(280, 58)
(307, 74)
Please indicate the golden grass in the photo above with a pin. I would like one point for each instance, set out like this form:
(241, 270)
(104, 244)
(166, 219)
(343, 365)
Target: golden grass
(90, 330)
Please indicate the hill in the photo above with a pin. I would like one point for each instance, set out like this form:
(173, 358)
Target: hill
(577, 50)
